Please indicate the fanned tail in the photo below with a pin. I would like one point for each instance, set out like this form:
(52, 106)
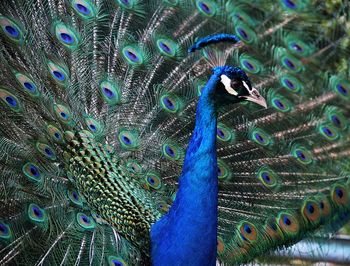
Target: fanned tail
(119, 72)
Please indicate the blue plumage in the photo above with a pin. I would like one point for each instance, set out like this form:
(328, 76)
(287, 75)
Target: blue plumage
(192, 219)
(213, 39)
(123, 144)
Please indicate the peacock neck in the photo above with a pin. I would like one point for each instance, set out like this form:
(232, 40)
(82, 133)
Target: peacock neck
(203, 140)
(188, 233)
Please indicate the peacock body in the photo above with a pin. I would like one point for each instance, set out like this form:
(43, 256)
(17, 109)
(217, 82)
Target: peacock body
(127, 138)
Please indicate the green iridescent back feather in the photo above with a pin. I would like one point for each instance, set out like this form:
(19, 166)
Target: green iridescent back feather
(98, 102)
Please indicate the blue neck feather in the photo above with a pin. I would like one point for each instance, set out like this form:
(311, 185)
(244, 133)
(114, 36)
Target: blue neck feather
(187, 235)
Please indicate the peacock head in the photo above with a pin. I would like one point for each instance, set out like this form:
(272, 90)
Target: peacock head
(235, 86)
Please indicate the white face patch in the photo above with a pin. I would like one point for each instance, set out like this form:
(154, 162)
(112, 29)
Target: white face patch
(227, 83)
(253, 92)
(253, 96)
(246, 86)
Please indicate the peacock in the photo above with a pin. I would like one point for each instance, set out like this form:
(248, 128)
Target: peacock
(174, 132)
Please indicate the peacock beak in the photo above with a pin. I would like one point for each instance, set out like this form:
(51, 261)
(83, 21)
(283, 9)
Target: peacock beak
(254, 96)
(257, 99)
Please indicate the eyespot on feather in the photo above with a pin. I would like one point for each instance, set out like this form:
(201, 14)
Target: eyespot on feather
(5, 231)
(66, 36)
(291, 63)
(288, 223)
(302, 154)
(128, 139)
(293, 6)
(250, 64)
(36, 214)
(133, 55)
(110, 92)
(153, 180)
(46, 151)
(268, 178)
(311, 212)
(261, 137)
(167, 47)
(85, 222)
(171, 151)
(115, 261)
(62, 113)
(224, 172)
(127, 4)
(328, 131)
(248, 232)
(340, 195)
(281, 104)
(207, 7)
(224, 133)
(58, 73)
(32, 171)
(74, 197)
(291, 83)
(94, 126)
(55, 134)
(324, 205)
(134, 167)
(84, 8)
(170, 103)
(245, 33)
(163, 207)
(10, 101)
(340, 86)
(27, 84)
(11, 30)
(297, 46)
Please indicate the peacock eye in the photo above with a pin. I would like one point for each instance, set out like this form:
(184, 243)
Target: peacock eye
(236, 83)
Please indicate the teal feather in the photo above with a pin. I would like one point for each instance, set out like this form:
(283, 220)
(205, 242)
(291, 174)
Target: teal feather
(98, 102)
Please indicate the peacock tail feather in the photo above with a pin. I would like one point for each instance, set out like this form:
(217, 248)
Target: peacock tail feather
(98, 99)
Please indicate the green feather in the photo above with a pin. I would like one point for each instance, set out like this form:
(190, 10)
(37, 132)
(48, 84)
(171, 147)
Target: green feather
(11, 29)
